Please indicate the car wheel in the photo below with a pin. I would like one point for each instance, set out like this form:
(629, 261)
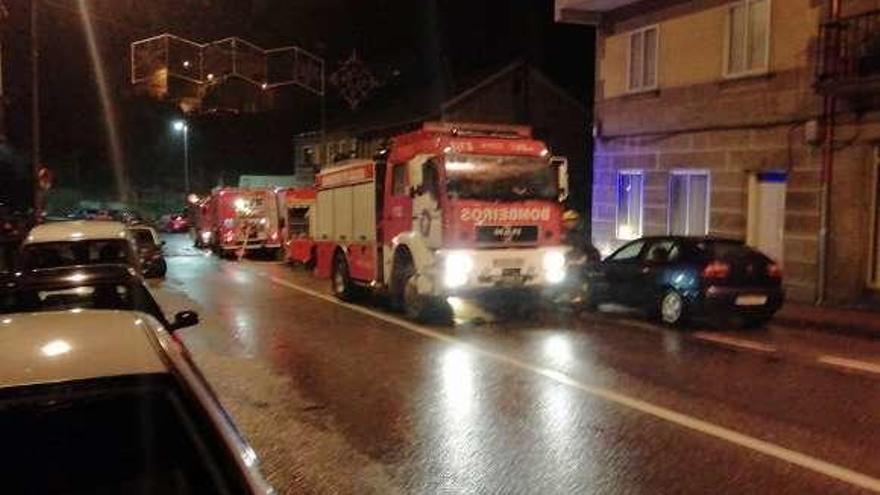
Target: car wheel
(161, 269)
(340, 280)
(673, 308)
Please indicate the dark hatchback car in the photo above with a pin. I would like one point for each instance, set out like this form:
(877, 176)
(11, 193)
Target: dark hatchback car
(113, 287)
(679, 278)
(149, 249)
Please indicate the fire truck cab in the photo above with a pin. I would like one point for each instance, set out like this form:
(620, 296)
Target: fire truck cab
(244, 218)
(450, 209)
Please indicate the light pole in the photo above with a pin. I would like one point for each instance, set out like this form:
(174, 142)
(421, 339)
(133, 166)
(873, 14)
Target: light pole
(182, 126)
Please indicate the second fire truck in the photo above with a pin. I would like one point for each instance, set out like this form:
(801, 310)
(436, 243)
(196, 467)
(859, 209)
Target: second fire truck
(447, 210)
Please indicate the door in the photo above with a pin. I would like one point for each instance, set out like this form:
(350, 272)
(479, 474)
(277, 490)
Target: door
(766, 224)
(874, 261)
(621, 270)
(650, 282)
(397, 213)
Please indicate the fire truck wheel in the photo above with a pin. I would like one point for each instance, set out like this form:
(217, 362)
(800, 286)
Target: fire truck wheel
(340, 280)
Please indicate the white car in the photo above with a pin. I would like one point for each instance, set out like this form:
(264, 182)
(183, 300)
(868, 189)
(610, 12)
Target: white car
(78, 243)
(109, 402)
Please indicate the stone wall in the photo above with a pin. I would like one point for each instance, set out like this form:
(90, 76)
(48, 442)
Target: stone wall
(729, 156)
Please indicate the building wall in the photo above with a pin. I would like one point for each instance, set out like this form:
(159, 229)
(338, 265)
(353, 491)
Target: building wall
(699, 119)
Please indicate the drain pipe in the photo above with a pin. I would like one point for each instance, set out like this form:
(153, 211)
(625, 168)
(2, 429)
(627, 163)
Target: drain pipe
(829, 109)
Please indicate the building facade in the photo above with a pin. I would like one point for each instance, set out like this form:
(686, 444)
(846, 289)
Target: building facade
(738, 118)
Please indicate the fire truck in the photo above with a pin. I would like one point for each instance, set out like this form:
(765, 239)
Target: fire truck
(243, 218)
(295, 208)
(447, 210)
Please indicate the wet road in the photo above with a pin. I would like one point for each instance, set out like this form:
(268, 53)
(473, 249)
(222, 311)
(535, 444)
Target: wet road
(352, 399)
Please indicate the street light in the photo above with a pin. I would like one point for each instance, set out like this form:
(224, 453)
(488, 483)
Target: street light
(182, 126)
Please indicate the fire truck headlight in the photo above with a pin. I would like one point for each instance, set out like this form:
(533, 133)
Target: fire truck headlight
(554, 266)
(457, 267)
(206, 236)
(240, 204)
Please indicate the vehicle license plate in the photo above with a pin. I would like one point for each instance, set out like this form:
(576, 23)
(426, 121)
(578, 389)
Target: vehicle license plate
(751, 300)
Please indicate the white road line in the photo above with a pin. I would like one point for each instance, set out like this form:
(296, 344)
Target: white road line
(805, 461)
(852, 364)
(734, 342)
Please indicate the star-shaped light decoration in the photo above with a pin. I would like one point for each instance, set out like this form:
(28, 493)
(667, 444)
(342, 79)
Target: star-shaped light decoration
(354, 81)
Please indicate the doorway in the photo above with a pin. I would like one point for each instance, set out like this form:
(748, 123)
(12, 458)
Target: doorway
(874, 260)
(766, 224)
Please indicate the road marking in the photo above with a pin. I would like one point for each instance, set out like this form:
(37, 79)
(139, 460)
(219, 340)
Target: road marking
(805, 461)
(852, 364)
(735, 342)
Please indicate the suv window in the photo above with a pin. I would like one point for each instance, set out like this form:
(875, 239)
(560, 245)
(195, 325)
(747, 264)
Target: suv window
(630, 251)
(116, 296)
(58, 254)
(662, 251)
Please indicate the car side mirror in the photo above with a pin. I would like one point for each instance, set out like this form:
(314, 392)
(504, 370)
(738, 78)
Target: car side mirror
(184, 319)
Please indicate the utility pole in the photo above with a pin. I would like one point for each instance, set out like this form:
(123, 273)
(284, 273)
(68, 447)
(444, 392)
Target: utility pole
(35, 107)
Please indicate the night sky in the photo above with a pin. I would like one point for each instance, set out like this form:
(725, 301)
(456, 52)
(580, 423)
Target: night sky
(405, 43)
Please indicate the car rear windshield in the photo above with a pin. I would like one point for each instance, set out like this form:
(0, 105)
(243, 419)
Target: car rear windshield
(91, 252)
(724, 250)
(115, 296)
(143, 237)
(134, 434)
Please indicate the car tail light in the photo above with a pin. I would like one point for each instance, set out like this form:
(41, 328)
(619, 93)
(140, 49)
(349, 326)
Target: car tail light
(774, 271)
(716, 270)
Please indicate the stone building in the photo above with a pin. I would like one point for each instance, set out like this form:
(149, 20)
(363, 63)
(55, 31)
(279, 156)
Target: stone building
(748, 119)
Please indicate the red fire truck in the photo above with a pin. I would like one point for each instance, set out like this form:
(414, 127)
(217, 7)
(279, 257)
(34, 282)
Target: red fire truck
(450, 209)
(295, 207)
(243, 218)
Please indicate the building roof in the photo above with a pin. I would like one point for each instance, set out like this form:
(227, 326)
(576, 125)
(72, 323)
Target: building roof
(586, 11)
(74, 345)
(408, 109)
(77, 230)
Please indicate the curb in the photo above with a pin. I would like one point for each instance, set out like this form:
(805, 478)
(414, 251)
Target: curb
(848, 328)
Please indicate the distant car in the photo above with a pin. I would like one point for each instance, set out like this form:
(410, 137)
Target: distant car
(678, 278)
(77, 243)
(115, 287)
(177, 222)
(109, 402)
(149, 249)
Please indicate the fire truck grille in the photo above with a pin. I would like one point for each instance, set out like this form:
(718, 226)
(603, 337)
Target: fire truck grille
(506, 234)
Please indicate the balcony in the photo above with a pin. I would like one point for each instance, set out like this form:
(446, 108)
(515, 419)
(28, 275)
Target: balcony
(849, 55)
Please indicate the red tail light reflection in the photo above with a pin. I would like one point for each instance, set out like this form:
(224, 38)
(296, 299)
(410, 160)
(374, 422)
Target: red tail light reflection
(716, 270)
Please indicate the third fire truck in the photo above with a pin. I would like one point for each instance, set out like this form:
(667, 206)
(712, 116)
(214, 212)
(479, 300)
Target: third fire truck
(450, 209)
(242, 219)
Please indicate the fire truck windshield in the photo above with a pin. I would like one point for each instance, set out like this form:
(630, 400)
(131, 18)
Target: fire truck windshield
(505, 178)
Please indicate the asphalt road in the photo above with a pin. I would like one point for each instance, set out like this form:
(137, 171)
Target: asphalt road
(353, 399)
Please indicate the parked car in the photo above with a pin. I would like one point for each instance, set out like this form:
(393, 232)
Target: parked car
(115, 287)
(77, 243)
(109, 402)
(176, 223)
(678, 278)
(149, 249)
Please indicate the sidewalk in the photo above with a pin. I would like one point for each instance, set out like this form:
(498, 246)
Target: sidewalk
(864, 323)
